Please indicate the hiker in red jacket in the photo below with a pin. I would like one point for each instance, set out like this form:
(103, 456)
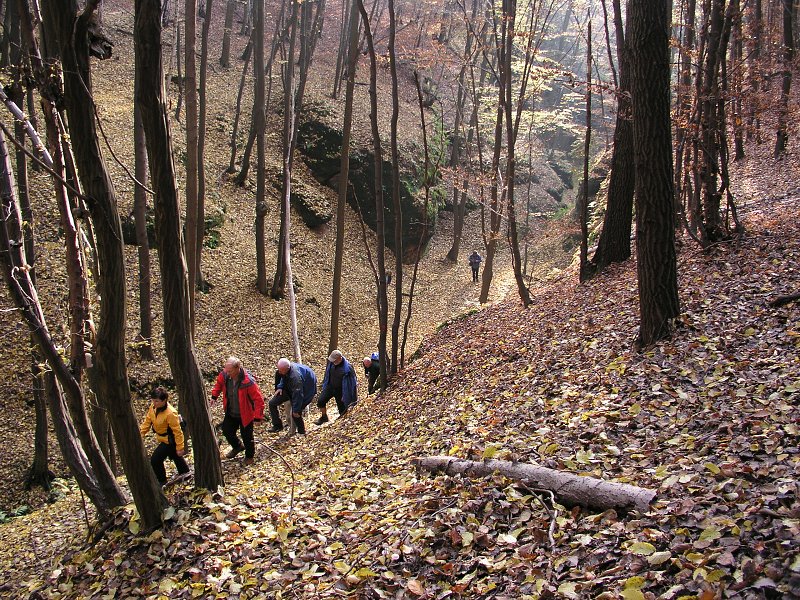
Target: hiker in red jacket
(243, 405)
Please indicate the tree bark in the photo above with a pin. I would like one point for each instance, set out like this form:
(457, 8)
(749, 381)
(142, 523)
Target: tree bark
(259, 123)
(177, 329)
(782, 136)
(396, 206)
(652, 148)
(570, 489)
(225, 57)
(614, 244)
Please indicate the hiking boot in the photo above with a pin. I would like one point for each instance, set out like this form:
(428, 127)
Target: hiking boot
(275, 429)
(249, 461)
(234, 451)
(323, 419)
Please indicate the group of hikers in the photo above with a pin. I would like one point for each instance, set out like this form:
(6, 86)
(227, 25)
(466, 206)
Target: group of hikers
(243, 402)
(243, 405)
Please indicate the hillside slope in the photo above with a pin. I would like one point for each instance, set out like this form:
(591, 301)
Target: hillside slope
(708, 419)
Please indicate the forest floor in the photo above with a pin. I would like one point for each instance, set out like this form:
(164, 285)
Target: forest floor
(709, 419)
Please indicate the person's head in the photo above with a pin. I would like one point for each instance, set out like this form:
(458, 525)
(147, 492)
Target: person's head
(233, 367)
(159, 397)
(336, 357)
(367, 362)
(283, 365)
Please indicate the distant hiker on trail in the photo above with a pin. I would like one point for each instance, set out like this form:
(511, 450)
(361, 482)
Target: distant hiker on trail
(243, 405)
(475, 262)
(372, 370)
(165, 422)
(298, 385)
(339, 383)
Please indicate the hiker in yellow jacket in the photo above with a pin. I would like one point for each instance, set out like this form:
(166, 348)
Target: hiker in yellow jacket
(165, 422)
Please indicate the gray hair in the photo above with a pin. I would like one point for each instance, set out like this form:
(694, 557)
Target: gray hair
(234, 362)
(283, 363)
(335, 355)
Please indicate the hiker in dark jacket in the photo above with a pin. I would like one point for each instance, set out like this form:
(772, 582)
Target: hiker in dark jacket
(475, 263)
(298, 385)
(165, 422)
(243, 405)
(372, 370)
(339, 383)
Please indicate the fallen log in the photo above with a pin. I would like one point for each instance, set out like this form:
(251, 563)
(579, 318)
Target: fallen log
(784, 300)
(569, 489)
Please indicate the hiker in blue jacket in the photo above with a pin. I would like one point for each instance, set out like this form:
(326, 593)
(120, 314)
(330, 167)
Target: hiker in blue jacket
(298, 385)
(339, 383)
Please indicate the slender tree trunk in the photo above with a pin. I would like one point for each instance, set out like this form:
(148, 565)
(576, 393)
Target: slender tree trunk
(259, 122)
(655, 238)
(397, 208)
(782, 136)
(344, 175)
(201, 150)
(237, 115)
(145, 337)
(585, 272)
(192, 152)
(383, 304)
(279, 280)
(177, 328)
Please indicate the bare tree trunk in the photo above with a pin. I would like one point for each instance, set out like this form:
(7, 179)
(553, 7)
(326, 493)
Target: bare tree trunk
(585, 270)
(383, 304)
(614, 244)
(198, 282)
(248, 51)
(396, 206)
(344, 175)
(259, 123)
(145, 337)
(177, 328)
(225, 57)
(655, 231)
(782, 135)
(192, 152)
(569, 488)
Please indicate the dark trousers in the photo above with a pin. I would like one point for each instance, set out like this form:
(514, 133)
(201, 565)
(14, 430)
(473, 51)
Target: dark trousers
(162, 453)
(274, 403)
(475, 273)
(326, 394)
(230, 426)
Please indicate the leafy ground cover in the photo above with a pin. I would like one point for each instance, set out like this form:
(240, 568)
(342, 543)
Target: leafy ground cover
(709, 419)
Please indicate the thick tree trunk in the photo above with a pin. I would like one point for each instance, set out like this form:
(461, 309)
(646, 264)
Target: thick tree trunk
(396, 206)
(615, 238)
(225, 57)
(259, 123)
(569, 488)
(177, 331)
(652, 147)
